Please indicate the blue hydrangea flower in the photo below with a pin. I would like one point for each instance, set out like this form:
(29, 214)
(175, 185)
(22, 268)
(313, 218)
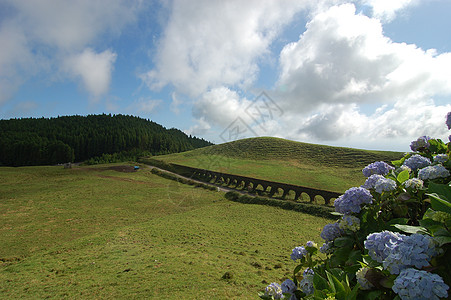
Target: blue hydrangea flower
(448, 120)
(413, 183)
(308, 271)
(420, 144)
(370, 182)
(298, 253)
(311, 244)
(330, 232)
(440, 158)
(385, 185)
(288, 286)
(326, 248)
(415, 250)
(306, 284)
(275, 290)
(420, 285)
(352, 199)
(361, 279)
(348, 222)
(378, 167)
(381, 244)
(433, 172)
(417, 162)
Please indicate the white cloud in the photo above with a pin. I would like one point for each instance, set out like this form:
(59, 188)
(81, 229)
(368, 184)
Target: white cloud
(94, 70)
(145, 105)
(343, 64)
(386, 10)
(39, 37)
(207, 44)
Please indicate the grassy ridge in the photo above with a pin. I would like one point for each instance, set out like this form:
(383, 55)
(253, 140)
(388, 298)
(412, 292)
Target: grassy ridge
(316, 166)
(98, 233)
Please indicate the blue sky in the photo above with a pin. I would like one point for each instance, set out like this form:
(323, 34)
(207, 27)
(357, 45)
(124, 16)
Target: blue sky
(371, 74)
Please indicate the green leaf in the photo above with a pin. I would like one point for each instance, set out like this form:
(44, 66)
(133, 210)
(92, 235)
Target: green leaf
(297, 269)
(439, 203)
(354, 292)
(411, 229)
(403, 176)
(440, 189)
(319, 283)
(344, 241)
(442, 240)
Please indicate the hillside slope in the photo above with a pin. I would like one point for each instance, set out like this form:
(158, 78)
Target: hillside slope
(316, 166)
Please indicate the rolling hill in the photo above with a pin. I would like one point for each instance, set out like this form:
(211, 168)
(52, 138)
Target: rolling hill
(276, 159)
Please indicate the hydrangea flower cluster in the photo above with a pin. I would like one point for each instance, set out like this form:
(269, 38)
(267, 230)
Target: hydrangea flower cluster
(326, 248)
(370, 182)
(413, 183)
(306, 283)
(433, 172)
(417, 162)
(361, 279)
(352, 199)
(398, 251)
(348, 222)
(415, 284)
(330, 232)
(275, 290)
(288, 286)
(378, 167)
(311, 244)
(385, 185)
(440, 158)
(420, 144)
(298, 253)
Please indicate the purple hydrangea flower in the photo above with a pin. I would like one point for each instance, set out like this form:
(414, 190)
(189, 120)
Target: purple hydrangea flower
(330, 232)
(440, 158)
(308, 271)
(380, 244)
(448, 120)
(421, 143)
(385, 185)
(398, 251)
(352, 199)
(298, 253)
(420, 285)
(288, 286)
(348, 222)
(433, 172)
(417, 162)
(275, 290)
(370, 182)
(306, 284)
(413, 183)
(311, 244)
(415, 250)
(378, 167)
(326, 248)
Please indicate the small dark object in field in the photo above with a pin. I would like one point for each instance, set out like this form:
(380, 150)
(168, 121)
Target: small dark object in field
(227, 276)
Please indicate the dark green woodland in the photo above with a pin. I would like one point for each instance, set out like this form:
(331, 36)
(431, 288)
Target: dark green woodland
(96, 138)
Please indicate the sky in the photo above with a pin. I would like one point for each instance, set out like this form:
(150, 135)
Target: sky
(368, 74)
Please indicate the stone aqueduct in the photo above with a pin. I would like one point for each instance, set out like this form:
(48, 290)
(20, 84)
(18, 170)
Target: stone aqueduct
(251, 184)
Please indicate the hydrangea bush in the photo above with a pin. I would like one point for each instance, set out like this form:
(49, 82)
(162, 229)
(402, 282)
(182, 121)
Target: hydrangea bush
(392, 239)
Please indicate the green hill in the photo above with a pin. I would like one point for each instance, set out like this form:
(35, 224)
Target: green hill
(316, 166)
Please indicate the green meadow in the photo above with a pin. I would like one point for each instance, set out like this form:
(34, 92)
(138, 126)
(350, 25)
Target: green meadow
(316, 166)
(103, 232)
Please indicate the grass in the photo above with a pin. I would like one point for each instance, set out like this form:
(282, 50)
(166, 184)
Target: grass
(96, 233)
(316, 166)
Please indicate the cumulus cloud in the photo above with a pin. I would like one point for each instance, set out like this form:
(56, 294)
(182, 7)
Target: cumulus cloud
(207, 44)
(343, 64)
(39, 37)
(145, 105)
(386, 10)
(93, 69)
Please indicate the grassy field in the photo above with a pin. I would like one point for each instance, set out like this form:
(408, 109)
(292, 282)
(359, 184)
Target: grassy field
(317, 166)
(105, 233)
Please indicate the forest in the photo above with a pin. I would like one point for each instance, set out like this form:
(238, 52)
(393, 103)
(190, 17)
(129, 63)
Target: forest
(48, 141)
